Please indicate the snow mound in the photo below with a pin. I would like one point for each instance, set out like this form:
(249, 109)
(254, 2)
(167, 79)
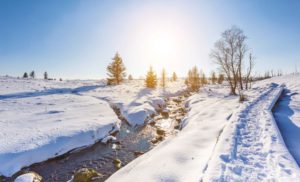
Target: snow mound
(38, 128)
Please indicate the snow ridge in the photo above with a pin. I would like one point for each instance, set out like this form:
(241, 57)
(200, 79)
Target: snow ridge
(251, 147)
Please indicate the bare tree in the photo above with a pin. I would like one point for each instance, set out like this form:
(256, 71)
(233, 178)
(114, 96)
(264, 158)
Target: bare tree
(229, 53)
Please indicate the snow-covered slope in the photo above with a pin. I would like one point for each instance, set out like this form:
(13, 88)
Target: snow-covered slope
(250, 148)
(184, 157)
(287, 114)
(42, 119)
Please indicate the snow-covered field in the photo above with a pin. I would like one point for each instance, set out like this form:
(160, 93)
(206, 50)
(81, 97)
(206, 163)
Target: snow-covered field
(221, 139)
(42, 119)
(215, 146)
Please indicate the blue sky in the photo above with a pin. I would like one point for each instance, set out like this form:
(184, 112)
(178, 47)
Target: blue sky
(77, 39)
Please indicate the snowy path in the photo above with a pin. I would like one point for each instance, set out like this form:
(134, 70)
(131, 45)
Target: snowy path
(251, 148)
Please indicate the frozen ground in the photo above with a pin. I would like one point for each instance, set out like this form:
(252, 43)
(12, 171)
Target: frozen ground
(42, 119)
(248, 148)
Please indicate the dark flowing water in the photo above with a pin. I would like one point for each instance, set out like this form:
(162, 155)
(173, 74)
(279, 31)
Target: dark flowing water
(131, 143)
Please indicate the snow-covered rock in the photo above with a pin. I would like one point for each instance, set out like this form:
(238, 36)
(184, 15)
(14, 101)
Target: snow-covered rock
(29, 177)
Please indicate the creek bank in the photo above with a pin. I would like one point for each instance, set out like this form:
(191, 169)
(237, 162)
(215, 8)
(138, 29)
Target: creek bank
(123, 147)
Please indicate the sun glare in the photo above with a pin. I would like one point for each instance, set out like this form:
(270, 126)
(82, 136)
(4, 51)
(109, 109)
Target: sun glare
(162, 45)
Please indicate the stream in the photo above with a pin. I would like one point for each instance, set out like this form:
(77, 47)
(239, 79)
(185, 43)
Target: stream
(131, 142)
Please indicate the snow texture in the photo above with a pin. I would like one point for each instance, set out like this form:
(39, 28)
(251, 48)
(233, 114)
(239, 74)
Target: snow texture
(184, 157)
(42, 119)
(248, 147)
(251, 147)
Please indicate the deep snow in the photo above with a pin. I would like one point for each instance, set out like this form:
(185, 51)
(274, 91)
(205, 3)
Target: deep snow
(184, 157)
(248, 147)
(42, 119)
(287, 114)
(221, 139)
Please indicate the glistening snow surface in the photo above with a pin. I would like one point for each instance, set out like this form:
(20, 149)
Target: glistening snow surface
(41, 119)
(287, 114)
(184, 157)
(250, 148)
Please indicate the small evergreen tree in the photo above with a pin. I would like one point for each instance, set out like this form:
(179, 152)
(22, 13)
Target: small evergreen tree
(130, 77)
(116, 71)
(25, 75)
(163, 80)
(46, 75)
(220, 78)
(32, 74)
(193, 79)
(174, 77)
(151, 79)
(214, 78)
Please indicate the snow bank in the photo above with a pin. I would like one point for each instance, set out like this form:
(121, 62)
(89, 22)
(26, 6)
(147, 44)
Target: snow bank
(136, 103)
(287, 114)
(184, 157)
(38, 128)
(251, 147)
(42, 119)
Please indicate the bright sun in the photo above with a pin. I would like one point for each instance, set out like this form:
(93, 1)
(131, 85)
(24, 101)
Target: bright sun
(162, 44)
(162, 47)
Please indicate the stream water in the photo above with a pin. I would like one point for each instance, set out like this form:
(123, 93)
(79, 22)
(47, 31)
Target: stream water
(131, 142)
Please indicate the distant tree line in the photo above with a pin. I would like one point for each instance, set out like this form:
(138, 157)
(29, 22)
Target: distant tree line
(116, 72)
(232, 55)
(32, 75)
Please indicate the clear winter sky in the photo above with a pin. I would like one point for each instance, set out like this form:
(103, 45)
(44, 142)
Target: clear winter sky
(77, 39)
